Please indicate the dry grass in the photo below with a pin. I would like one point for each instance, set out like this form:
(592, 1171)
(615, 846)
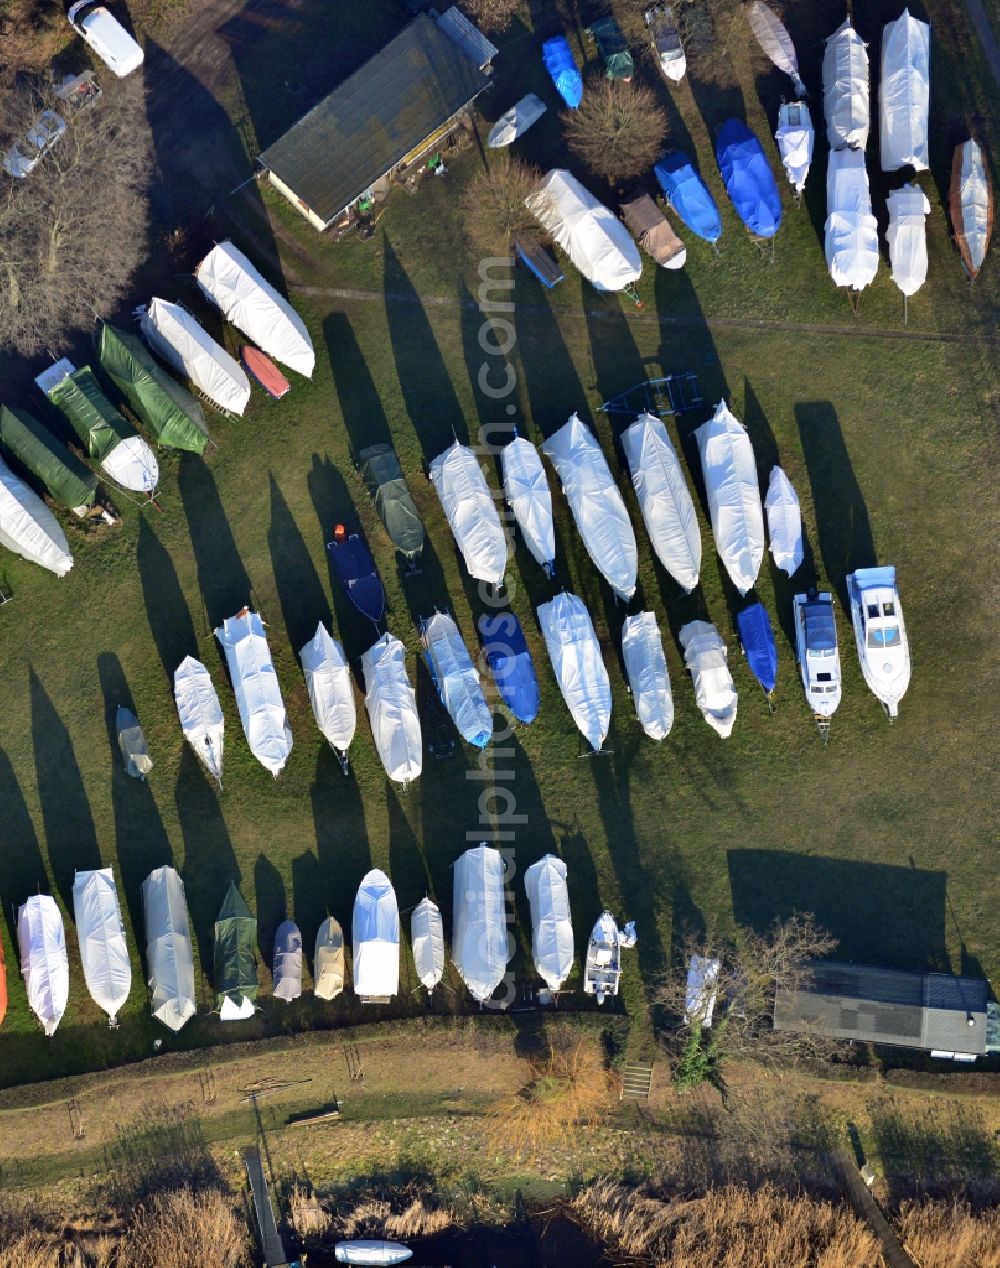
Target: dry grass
(307, 1215)
(950, 1235)
(420, 1217)
(31, 1250)
(185, 1229)
(567, 1089)
(727, 1228)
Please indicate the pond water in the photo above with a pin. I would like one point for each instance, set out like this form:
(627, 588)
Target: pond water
(542, 1243)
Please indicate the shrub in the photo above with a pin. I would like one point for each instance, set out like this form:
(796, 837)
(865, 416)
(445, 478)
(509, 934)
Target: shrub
(493, 209)
(618, 130)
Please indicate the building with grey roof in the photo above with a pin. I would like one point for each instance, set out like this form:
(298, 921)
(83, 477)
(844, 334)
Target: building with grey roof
(395, 109)
(933, 1012)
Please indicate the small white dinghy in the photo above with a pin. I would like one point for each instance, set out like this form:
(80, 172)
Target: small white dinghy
(818, 655)
(706, 657)
(796, 137)
(526, 488)
(200, 713)
(883, 649)
(516, 121)
(784, 522)
(662, 27)
(603, 970)
(427, 936)
(648, 677)
(331, 692)
(371, 1252)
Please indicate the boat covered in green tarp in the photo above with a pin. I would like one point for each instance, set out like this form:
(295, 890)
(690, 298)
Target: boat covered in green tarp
(66, 477)
(107, 437)
(235, 957)
(171, 413)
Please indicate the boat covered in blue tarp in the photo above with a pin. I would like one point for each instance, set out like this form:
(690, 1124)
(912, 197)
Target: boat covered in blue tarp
(748, 178)
(759, 646)
(558, 58)
(356, 569)
(510, 663)
(688, 195)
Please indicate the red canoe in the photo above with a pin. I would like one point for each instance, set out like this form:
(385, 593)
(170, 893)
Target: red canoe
(263, 370)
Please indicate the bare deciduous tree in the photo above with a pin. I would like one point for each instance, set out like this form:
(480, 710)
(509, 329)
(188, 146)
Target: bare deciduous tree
(751, 967)
(74, 229)
(492, 16)
(493, 209)
(618, 129)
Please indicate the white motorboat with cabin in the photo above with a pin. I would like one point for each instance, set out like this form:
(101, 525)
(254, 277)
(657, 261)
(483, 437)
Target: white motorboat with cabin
(818, 655)
(883, 649)
(603, 970)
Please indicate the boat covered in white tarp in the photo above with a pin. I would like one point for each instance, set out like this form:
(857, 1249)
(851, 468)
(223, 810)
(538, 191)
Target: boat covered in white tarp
(526, 488)
(706, 658)
(597, 506)
(701, 990)
(258, 695)
(776, 42)
(907, 237)
(99, 927)
(200, 713)
(479, 943)
(427, 936)
(471, 512)
(329, 970)
(796, 138)
(286, 965)
(883, 648)
(28, 527)
(664, 498)
(784, 522)
(516, 121)
(371, 1253)
(603, 969)
(392, 709)
(845, 89)
(456, 679)
(727, 463)
(41, 941)
(551, 924)
(592, 236)
(576, 661)
(904, 94)
(331, 692)
(168, 948)
(375, 938)
(648, 678)
(253, 305)
(174, 335)
(851, 230)
(970, 202)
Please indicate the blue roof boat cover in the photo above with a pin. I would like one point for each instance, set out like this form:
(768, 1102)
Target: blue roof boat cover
(759, 647)
(688, 194)
(510, 663)
(820, 627)
(356, 569)
(873, 579)
(748, 177)
(558, 59)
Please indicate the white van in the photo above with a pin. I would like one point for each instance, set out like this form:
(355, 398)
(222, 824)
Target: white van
(107, 37)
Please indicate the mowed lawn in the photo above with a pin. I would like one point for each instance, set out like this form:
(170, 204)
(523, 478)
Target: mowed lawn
(887, 834)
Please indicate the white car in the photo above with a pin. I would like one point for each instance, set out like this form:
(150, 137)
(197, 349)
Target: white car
(22, 159)
(107, 37)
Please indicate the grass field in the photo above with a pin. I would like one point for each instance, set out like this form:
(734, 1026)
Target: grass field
(887, 834)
